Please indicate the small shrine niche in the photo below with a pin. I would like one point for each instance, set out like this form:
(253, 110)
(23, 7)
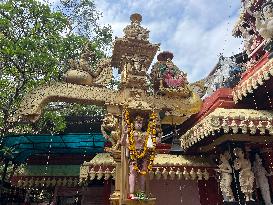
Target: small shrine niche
(133, 54)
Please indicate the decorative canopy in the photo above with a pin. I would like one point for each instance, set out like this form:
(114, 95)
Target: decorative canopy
(235, 120)
(132, 55)
(42, 182)
(255, 79)
(166, 166)
(24, 146)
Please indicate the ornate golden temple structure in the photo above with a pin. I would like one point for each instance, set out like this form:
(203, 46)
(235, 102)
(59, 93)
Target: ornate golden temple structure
(171, 96)
(216, 150)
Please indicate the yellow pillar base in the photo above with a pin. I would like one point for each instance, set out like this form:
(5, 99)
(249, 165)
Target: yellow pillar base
(150, 201)
(114, 201)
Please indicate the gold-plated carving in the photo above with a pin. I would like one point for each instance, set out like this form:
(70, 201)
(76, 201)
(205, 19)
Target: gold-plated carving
(168, 161)
(86, 83)
(82, 72)
(252, 83)
(110, 129)
(224, 119)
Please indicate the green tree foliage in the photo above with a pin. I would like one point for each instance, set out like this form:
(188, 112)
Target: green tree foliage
(35, 46)
(82, 15)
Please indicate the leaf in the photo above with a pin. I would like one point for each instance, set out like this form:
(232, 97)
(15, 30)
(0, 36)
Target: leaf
(34, 51)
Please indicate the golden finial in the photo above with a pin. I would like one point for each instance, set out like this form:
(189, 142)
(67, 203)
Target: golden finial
(136, 17)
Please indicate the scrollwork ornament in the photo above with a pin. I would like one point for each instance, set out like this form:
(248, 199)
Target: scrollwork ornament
(234, 127)
(261, 128)
(179, 174)
(186, 174)
(254, 83)
(215, 121)
(252, 127)
(199, 174)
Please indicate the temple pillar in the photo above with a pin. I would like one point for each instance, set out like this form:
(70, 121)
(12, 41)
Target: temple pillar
(115, 197)
(107, 191)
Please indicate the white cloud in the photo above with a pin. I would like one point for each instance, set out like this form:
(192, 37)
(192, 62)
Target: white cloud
(196, 31)
(197, 49)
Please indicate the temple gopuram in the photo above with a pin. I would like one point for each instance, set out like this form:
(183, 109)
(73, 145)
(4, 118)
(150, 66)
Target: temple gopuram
(162, 140)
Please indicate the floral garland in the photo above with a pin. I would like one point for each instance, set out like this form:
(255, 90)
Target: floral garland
(134, 154)
(141, 196)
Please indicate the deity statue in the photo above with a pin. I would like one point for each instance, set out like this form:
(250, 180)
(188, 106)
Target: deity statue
(110, 129)
(172, 76)
(167, 78)
(140, 146)
(167, 73)
(262, 180)
(226, 177)
(264, 21)
(85, 72)
(246, 176)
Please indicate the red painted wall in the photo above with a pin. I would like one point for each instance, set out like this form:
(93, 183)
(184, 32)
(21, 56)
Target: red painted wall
(177, 192)
(210, 194)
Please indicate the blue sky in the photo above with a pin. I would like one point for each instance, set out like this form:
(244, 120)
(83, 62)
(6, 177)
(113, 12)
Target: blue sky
(196, 31)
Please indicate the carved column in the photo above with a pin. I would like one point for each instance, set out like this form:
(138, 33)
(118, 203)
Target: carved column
(115, 197)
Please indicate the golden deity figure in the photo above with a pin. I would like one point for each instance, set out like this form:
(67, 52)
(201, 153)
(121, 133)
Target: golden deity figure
(110, 130)
(140, 149)
(87, 82)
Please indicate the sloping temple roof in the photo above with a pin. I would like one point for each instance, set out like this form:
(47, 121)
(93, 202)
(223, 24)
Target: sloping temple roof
(246, 121)
(24, 146)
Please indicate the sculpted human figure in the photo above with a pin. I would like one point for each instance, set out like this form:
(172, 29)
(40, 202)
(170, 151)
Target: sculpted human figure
(111, 131)
(264, 21)
(172, 76)
(167, 78)
(139, 137)
(137, 64)
(226, 177)
(261, 179)
(246, 176)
